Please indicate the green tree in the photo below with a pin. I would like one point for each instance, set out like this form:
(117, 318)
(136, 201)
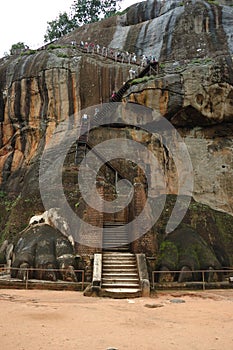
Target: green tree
(62, 25)
(82, 12)
(88, 11)
(17, 48)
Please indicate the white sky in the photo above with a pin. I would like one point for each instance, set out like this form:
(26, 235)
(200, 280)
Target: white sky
(26, 20)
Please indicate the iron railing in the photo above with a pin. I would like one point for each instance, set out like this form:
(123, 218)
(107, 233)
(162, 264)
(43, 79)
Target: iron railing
(27, 272)
(225, 275)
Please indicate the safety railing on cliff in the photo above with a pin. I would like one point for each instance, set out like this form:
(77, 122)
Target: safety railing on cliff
(106, 109)
(106, 52)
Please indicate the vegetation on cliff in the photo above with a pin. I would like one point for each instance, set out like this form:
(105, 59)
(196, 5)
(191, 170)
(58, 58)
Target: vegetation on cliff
(82, 12)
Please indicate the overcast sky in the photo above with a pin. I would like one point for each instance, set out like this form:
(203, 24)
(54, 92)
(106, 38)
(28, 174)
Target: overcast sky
(26, 20)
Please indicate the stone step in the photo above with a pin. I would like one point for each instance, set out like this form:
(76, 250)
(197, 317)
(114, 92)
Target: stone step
(123, 265)
(118, 257)
(117, 249)
(115, 244)
(116, 267)
(115, 228)
(114, 255)
(118, 271)
(114, 231)
(119, 263)
(122, 274)
(115, 235)
(116, 239)
(125, 290)
(119, 280)
(118, 254)
(115, 224)
(119, 260)
(120, 285)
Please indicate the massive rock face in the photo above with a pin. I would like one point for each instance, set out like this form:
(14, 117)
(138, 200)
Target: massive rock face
(192, 40)
(38, 92)
(175, 30)
(198, 101)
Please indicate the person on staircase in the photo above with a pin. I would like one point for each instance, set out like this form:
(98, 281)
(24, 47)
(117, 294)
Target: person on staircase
(143, 60)
(132, 73)
(114, 95)
(85, 118)
(97, 48)
(96, 111)
(134, 58)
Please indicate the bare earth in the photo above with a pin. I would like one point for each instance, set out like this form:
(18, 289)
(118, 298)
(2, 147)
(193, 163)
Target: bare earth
(33, 319)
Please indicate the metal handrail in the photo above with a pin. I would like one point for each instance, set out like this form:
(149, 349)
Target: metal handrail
(27, 270)
(191, 271)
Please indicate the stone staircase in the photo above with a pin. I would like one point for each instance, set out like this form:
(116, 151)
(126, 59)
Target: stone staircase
(115, 237)
(104, 115)
(120, 277)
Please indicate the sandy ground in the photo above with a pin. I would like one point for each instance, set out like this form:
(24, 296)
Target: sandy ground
(33, 319)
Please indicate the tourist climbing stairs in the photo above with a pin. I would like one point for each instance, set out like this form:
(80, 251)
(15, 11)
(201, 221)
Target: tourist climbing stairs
(120, 274)
(81, 144)
(150, 68)
(105, 113)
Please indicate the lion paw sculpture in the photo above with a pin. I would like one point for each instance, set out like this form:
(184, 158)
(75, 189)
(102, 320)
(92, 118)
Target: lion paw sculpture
(42, 249)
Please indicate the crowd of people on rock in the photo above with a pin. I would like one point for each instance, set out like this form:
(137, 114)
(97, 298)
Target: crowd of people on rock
(112, 53)
(115, 54)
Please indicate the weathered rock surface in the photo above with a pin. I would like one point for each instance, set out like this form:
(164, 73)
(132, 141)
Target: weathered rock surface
(38, 92)
(170, 30)
(198, 102)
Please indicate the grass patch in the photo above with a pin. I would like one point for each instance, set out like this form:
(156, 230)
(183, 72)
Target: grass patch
(213, 2)
(62, 55)
(28, 52)
(53, 47)
(142, 80)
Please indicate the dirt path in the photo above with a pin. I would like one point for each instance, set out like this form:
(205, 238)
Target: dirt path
(52, 320)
